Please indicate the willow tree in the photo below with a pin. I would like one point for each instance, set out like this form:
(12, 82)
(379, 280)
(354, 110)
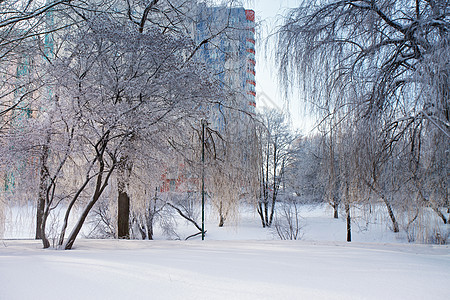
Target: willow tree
(385, 66)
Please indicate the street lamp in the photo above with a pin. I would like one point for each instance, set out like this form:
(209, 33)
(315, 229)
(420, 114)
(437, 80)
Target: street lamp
(204, 123)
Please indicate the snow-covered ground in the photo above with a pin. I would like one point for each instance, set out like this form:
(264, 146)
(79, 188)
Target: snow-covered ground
(234, 262)
(111, 269)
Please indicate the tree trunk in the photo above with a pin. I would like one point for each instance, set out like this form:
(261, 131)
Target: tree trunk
(123, 199)
(221, 221)
(272, 209)
(76, 230)
(336, 209)
(42, 190)
(262, 196)
(266, 188)
(387, 203)
(266, 202)
(332, 200)
(347, 212)
(391, 214)
(221, 216)
(73, 235)
(149, 219)
(150, 228)
(39, 214)
(99, 188)
(349, 222)
(266, 212)
(274, 185)
(69, 209)
(260, 213)
(123, 214)
(45, 241)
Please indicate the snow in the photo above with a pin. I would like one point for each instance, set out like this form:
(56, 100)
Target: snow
(234, 262)
(112, 269)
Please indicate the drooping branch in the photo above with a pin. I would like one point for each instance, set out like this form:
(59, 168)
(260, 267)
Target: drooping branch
(185, 216)
(24, 16)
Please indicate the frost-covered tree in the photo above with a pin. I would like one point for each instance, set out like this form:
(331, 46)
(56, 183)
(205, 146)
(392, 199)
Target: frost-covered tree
(27, 41)
(231, 164)
(116, 94)
(379, 69)
(25, 30)
(93, 65)
(276, 142)
(303, 175)
(151, 94)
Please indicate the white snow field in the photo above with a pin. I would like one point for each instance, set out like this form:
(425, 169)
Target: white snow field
(112, 269)
(235, 262)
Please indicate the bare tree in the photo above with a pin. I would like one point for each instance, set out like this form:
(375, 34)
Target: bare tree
(276, 146)
(287, 221)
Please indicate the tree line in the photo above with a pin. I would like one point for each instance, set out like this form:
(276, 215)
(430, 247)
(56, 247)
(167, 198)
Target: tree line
(99, 101)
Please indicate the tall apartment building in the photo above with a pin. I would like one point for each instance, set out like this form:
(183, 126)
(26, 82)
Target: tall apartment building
(231, 50)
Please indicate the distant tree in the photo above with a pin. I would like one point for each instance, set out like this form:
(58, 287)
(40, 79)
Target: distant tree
(276, 147)
(303, 176)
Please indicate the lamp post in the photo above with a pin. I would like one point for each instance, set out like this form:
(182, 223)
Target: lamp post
(203, 178)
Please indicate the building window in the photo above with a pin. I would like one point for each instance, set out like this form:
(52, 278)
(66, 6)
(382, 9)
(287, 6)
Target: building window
(172, 185)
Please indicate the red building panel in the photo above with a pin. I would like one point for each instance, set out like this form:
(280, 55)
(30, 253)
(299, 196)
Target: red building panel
(251, 41)
(250, 15)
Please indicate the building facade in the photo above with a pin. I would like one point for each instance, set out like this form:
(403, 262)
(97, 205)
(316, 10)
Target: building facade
(230, 50)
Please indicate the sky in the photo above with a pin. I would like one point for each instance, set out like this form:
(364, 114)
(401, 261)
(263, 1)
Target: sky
(269, 14)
